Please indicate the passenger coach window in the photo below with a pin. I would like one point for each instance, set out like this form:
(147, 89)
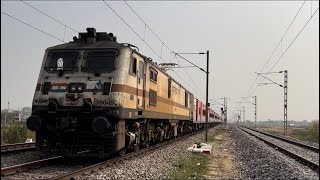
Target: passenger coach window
(133, 66)
(99, 61)
(58, 60)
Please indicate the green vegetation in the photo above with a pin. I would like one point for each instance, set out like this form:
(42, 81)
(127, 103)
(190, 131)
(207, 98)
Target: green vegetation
(310, 133)
(188, 167)
(195, 165)
(14, 131)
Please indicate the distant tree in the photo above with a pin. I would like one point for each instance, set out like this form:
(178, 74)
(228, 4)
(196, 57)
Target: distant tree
(13, 133)
(7, 116)
(315, 130)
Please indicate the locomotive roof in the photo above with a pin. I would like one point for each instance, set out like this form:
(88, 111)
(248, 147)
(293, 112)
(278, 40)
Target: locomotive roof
(84, 45)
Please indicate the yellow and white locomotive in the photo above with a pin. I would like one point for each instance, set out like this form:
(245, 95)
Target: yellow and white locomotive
(96, 97)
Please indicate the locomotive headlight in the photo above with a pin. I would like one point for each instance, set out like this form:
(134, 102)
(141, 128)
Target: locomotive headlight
(80, 88)
(73, 87)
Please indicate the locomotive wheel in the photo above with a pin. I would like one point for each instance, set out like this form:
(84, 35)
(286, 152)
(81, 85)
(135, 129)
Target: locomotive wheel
(122, 151)
(136, 147)
(147, 144)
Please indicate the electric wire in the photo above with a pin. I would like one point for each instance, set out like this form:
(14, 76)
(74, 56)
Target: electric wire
(147, 25)
(32, 26)
(280, 42)
(131, 28)
(48, 16)
(286, 48)
(289, 46)
(163, 44)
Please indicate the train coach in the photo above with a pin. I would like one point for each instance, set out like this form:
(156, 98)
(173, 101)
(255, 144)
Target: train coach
(96, 97)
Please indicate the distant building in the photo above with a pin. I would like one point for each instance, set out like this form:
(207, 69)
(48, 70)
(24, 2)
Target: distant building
(25, 113)
(16, 115)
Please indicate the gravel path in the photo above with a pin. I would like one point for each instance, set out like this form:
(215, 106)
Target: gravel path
(150, 166)
(305, 153)
(259, 161)
(10, 159)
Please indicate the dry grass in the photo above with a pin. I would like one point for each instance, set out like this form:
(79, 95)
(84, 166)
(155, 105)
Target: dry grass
(310, 134)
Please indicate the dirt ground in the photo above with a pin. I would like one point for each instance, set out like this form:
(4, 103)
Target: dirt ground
(222, 163)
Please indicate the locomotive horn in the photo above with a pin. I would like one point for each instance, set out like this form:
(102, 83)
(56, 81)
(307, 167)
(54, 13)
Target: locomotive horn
(34, 123)
(100, 124)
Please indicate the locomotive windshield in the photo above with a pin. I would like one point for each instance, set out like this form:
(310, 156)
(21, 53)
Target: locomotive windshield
(62, 60)
(99, 61)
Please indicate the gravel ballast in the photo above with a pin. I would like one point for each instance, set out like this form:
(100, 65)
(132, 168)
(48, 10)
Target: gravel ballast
(305, 153)
(10, 159)
(153, 165)
(257, 160)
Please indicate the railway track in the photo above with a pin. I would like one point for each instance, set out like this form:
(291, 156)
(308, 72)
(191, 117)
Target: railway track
(28, 166)
(96, 167)
(17, 147)
(312, 148)
(73, 174)
(296, 151)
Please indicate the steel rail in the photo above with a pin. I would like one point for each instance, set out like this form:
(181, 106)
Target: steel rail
(28, 166)
(297, 157)
(17, 147)
(312, 148)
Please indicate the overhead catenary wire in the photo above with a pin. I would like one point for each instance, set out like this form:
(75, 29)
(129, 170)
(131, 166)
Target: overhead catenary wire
(49, 16)
(143, 39)
(289, 45)
(280, 42)
(147, 26)
(163, 44)
(32, 26)
(190, 78)
(131, 28)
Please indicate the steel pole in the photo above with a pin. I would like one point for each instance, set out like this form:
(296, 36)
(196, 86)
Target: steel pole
(255, 111)
(285, 101)
(226, 110)
(244, 115)
(207, 96)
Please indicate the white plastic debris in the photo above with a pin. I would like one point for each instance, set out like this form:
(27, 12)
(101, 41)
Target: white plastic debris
(29, 140)
(204, 148)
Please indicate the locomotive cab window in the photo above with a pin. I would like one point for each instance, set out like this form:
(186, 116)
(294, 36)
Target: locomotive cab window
(133, 67)
(153, 75)
(99, 61)
(58, 60)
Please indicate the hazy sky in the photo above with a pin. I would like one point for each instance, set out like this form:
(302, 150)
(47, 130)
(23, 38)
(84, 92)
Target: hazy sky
(240, 36)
